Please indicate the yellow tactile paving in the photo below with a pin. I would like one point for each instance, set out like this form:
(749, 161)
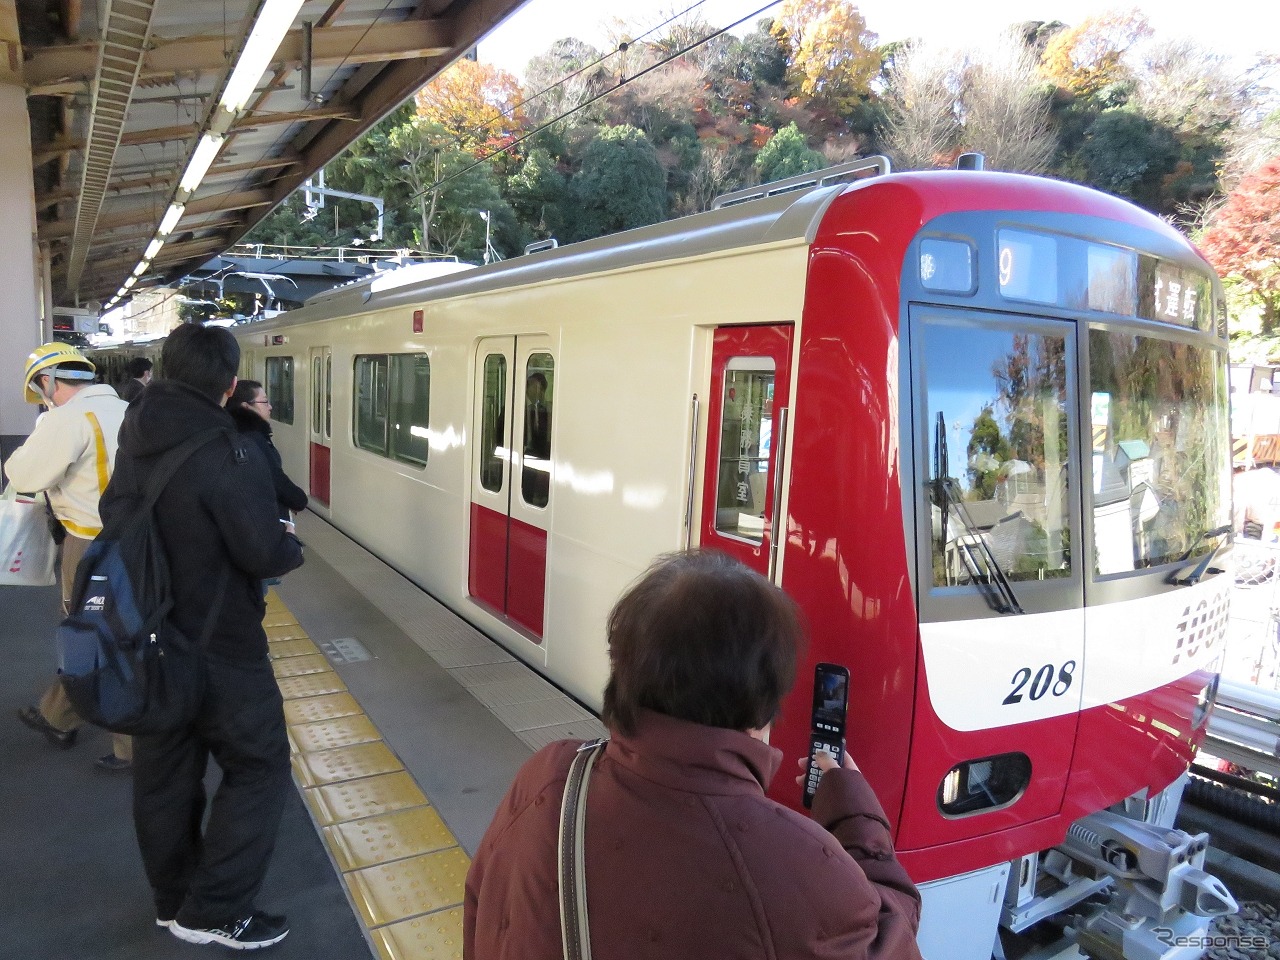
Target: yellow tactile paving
(407, 888)
(368, 797)
(345, 763)
(301, 666)
(313, 685)
(329, 707)
(402, 866)
(437, 936)
(391, 836)
(285, 631)
(290, 648)
(328, 734)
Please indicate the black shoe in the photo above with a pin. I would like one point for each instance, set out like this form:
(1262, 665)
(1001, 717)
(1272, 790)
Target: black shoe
(113, 763)
(254, 932)
(36, 721)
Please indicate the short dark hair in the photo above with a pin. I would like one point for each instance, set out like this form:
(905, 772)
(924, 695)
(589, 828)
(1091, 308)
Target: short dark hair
(244, 392)
(701, 637)
(204, 358)
(137, 367)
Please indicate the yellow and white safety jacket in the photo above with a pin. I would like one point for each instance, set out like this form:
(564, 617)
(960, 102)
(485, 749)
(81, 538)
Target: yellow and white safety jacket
(70, 455)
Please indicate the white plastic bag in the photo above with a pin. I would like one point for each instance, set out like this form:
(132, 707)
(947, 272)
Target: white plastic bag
(27, 550)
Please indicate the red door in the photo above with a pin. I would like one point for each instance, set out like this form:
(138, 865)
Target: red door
(746, 429)
(321, 422)
(511, 490)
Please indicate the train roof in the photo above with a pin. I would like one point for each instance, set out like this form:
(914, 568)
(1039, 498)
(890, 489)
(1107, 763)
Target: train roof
(773, 219)
(787, 217)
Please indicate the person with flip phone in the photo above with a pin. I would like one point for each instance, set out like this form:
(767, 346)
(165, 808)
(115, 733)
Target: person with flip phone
(826, 728)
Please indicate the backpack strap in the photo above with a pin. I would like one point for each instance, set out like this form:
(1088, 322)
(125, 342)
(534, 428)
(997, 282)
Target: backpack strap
(171, 461)
(575, 932)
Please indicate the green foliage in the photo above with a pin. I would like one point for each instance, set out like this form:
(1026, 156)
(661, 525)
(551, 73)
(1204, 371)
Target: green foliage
(621, 184)
(786, 155)
(1126, 154)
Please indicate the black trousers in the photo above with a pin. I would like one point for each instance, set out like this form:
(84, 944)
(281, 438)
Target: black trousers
(209, 879)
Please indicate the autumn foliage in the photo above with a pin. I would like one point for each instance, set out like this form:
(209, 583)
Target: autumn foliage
(1091, 56)
(1244, 240)
(478, 104)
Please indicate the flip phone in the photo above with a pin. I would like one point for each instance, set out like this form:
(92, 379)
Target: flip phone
(827, 722)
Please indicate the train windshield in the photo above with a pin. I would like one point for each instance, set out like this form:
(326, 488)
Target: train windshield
(998, 476)
(1159, 437)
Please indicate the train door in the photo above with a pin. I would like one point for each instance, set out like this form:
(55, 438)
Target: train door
(511, 478)
(321, 422)
(747, 418)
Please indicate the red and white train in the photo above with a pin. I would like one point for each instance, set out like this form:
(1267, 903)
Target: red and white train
(974, 423)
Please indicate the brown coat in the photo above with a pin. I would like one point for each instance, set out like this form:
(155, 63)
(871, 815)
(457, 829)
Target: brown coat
(687, 858)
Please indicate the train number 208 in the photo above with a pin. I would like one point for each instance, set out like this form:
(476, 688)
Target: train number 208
(1043, 682)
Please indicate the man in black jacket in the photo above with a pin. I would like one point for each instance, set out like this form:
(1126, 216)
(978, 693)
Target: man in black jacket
(218, 521)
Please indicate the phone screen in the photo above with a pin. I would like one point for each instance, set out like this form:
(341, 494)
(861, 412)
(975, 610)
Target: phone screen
(827, 723)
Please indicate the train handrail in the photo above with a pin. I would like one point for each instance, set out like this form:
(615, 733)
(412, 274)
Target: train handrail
(1244, 727)
(877, 165)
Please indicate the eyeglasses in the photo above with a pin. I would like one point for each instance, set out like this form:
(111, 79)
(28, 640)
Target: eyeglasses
(267, 402)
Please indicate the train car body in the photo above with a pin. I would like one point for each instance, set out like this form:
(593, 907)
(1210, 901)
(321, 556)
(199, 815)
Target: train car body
(975, 423)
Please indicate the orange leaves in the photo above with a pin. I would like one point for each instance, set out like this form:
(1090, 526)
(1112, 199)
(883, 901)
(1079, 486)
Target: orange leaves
(475, 103)
(833, 57)
(1087, 58)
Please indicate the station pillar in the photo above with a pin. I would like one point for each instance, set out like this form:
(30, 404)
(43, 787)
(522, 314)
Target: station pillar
(22, 321)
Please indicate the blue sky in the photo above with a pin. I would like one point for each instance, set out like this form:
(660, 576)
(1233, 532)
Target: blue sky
(1237, 28)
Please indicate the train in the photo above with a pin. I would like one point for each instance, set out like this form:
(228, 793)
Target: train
(975, 423)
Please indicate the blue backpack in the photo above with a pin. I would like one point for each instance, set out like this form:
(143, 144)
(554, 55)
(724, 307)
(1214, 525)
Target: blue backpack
(123, 663)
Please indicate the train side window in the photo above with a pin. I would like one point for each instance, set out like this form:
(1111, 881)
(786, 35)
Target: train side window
(317, 386)
(370, 401)
(998, 469)
(410, 407)
(746, 435)
(493, 422)
(539, 394)
(280, 388)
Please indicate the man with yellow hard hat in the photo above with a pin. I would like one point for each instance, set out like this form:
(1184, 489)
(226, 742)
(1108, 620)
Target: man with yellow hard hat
(68, 457)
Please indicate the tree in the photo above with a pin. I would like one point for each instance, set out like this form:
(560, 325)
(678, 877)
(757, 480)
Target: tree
(921, 127)
(1190, 89)
(477, 104)
(1126, 154)
(538, 193)
(1004, 109)
(561, 79)
(786, 155)
(1243, 242)
(833, 56)
(620, 185)
(1087, 59)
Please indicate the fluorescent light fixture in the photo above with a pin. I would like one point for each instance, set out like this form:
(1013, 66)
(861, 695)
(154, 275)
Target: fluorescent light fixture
(206, 152)
(129, 283)
(141, 268)
(273, 23)
(171, 218)
(152, 249)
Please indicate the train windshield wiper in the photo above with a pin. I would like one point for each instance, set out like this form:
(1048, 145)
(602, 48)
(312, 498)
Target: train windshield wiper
(1202, 567)
(948, 495)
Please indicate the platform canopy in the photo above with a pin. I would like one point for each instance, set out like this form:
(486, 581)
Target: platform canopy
(151, 150)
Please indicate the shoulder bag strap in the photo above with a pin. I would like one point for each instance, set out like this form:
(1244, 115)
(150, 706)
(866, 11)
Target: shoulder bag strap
(575, 932)
(168, 465)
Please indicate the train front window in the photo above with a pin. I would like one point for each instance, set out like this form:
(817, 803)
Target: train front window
(1159, 436)
(997, 477)
(746, 434)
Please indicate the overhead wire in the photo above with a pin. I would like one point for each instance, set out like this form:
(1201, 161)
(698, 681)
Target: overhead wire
(588, 102)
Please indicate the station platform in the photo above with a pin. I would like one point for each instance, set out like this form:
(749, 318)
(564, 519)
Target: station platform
(406, 725)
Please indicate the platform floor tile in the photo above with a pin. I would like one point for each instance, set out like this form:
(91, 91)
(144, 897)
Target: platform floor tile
(313, 685)
(327, 707)
(367, 797)
(276, 649)
(437, 936)
(285, 631)
(330, 734)
(344, 763)
(301, 666)
(388, 837)
(406, 888)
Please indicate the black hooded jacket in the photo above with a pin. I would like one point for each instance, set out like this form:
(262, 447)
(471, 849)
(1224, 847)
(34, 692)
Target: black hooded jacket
(289, 495)
(217, 513)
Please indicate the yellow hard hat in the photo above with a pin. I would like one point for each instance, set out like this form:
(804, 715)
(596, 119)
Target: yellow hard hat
(50, 358)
